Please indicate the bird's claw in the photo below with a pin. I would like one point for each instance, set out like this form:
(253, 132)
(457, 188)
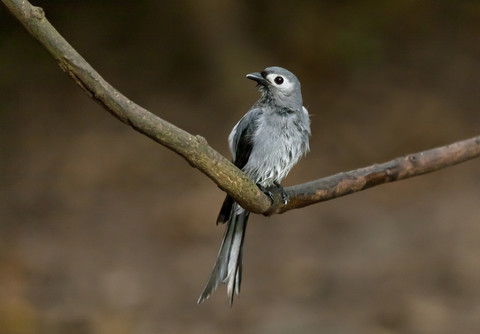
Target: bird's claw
(267, 192)
(282, 192)
(276, 188)
(284, 197)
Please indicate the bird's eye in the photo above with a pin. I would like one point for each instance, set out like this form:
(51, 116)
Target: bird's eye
(278, 80)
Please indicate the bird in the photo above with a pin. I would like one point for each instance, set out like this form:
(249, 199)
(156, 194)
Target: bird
(265, 144)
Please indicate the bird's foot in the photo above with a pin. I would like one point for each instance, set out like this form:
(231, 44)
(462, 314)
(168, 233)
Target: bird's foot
(282, 192)
(267, 191)
(272, 190)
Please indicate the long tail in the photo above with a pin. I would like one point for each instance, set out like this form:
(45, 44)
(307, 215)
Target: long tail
(228, 267)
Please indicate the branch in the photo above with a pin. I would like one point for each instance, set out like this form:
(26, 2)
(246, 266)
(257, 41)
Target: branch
(193, 148)
(401, 168)
(201, 156)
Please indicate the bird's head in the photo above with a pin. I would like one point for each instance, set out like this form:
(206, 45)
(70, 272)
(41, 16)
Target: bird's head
(279, 86)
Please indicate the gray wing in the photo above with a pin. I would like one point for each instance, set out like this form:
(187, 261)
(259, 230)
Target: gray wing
(241, 143)
(241, 137)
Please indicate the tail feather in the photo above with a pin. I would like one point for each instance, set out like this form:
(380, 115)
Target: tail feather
(234, 273)
(228, 267)
(226, 210)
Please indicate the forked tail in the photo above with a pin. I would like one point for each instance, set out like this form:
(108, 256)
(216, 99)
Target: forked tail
(228, 267)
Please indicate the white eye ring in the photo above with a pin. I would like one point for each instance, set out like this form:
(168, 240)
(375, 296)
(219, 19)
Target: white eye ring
(281, 83)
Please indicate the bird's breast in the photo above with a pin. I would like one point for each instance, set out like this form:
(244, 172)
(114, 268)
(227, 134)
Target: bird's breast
(278, 144)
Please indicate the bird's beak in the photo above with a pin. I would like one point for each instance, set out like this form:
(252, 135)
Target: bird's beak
(258, 77)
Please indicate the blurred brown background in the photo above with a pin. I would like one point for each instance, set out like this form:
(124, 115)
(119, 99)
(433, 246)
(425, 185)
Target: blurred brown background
(104, 231)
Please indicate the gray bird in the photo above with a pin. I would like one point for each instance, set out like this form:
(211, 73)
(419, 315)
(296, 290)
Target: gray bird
(265, 144)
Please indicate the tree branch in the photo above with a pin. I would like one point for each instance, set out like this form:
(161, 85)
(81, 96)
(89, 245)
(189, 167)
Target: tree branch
(193, 148)
(201, 156)
(401, 168)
